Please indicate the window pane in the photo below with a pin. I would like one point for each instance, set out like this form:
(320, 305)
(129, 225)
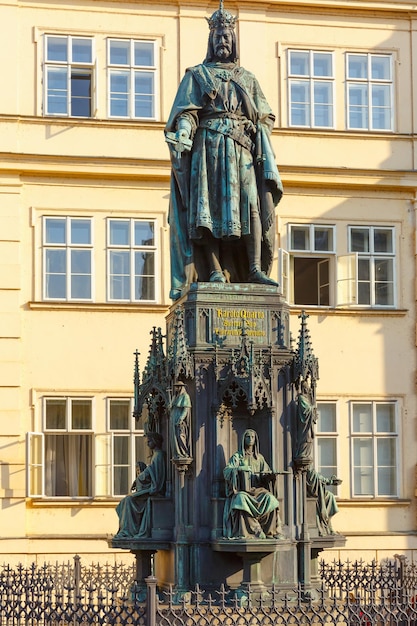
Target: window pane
(119, 95)
(383, 240)
(386, 459)
(82, 50)
(80, 231)
(326, 420)
(55, 230)
(80, 261)
(323, 239)
(322, 64)
(358, 106)
(300, 103)
(81, 287)
(55, 274)
(81, 414)
(141, 449)
(55, 414)
(362, 418)
(144, 288)
(364, 269)
(121, 450)
(122, 482)
(381, 107)
(359, 240)
(55, 287)
(119, 414)
(381, 67)
(56, 49)
(144, 106)
(384, 283)
(119, 233)
(300, 238)
(120, 52)
(57, 90)
(144, 95)
(143, 52)
(68, 463)
(299, 63)
(364, 293)
(357, 66)
(385, 418)
(326, 448)
(81, 274)
(144, 233)
(81, 95)
(56, 261)
(363, 467)
(383, 270)
(119, 275)
(323, 105)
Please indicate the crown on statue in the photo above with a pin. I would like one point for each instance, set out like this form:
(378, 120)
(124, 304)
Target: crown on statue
(221, 18)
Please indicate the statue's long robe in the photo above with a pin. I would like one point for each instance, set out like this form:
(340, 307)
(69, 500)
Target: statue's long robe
(215, 186)
(249, 515)
(134, 510)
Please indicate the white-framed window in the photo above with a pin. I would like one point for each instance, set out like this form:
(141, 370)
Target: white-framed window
(60, 458)
(67, 258)
(68, 75)
(311, 88)
(326, 441)
(128, 445)
(69, 459)
(369, 85)
(374, 449)
(311, 250)
(132, 260)
(132, 76)
(374, 247)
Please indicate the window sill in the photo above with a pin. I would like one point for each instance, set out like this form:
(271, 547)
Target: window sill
(130, 307)
(66, 503)
(373, 502)
(351, 311)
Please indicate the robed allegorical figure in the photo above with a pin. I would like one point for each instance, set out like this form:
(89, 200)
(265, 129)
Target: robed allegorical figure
(180, 417)
(134, 510)
(326, 505)
(306, 420)
(225, 183)
(251, 508)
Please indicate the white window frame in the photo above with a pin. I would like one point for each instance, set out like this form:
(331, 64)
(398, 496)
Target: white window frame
(132, 249)
(114, 69)
(328, 435)
(373, 257)
(369, 83)
(286, 261)
(72, 68)
(132, 433)
(374, 436)
(312, 81)
(68, 247)
(36, 449)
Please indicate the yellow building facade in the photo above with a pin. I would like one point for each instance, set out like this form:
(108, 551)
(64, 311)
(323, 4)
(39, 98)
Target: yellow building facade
(84, 247)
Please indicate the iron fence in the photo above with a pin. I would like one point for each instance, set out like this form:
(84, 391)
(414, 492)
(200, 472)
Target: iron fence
(349, 593)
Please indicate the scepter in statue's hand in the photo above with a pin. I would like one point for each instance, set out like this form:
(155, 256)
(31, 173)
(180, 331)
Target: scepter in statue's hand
(180, 141)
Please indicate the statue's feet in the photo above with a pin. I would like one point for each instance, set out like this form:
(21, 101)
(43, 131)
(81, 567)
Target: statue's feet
(217, 277)
(260, 278)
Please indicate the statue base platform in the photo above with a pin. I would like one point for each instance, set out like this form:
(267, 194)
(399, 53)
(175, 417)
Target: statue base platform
(252, 551)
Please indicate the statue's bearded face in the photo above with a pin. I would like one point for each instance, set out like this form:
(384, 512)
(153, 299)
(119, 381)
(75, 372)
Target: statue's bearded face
(222, 43)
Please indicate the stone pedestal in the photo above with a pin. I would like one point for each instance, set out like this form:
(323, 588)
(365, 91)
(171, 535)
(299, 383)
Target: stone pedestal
(230, 345)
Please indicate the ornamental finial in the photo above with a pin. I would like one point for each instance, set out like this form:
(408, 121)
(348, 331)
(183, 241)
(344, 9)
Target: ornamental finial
(221, 18)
